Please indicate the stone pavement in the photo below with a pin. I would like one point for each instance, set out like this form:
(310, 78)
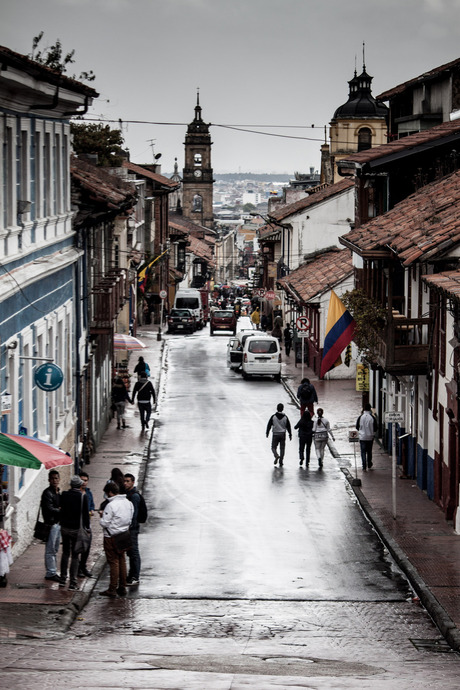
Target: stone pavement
(28, 597)
(420, 539)
(422, 542)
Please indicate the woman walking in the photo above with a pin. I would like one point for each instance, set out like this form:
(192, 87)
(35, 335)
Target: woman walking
(321, 431)
(305, 427)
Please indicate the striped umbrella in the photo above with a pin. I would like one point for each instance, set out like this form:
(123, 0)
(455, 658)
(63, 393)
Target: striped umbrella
(29, 452)
(121, 341)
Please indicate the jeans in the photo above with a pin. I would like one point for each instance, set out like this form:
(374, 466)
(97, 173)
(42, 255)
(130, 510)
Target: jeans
(85, 554)
(134, 555)
(69, 538)
(51, 550)
(145, 410)
(366, 453)
(279, 439)
(120, 412)
(117, 565)
(305, 445)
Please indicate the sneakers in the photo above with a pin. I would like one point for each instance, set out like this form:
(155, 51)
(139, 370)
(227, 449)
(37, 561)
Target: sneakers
(131, 581)
(54, 578)
(370, 465)
(83, 572)
(73, 586)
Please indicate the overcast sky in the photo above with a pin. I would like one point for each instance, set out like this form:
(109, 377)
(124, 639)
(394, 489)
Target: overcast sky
(256, 62)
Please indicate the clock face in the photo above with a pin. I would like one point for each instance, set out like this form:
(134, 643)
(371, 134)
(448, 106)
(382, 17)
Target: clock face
(197, 173)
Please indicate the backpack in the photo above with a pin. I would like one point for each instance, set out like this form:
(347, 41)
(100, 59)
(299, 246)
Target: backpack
(306, 390)
(147, 369)
(142, 510)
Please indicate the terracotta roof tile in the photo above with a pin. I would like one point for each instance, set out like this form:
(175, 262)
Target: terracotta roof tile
(423, 225)
(156, 177)
(313, 198)
(448, 282)
(319, 275)
(426, 76)
(101, 185)
(406, 143)
(200, 249)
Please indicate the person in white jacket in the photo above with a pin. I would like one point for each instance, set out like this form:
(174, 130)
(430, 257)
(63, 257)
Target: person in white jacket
(367, 426)
(321, 432)
(116, 518)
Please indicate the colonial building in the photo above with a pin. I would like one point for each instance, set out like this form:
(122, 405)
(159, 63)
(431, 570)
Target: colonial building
(197, 176)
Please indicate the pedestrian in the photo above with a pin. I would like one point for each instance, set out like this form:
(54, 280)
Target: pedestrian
(287, 333)
(117, 476)
(74, 514)
(367, 426)
(119, 398)
(255, 318)
(280, 424)
(51, 511)
(264, 322)
(305, 427)
(116, 518)
(321, 432)
(134, 556)
(145, 391)
(82, 568)
(277, 333)
(141, 368)
(306, 394)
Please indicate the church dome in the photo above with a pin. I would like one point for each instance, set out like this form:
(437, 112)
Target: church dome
(361, 103)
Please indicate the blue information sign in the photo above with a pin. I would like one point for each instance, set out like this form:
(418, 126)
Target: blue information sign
(48, 377)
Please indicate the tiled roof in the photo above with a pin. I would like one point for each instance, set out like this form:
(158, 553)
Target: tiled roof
(269, 232)
(448, 282)
(426, 76)
(145, 172)
(313, 198)
(406, 143)
(200, 249)
(423, 225)
(179, 228)
(35, 69)
(319, 275)
(101, 186)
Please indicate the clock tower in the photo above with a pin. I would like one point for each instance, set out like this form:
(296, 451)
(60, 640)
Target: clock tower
(197, 174)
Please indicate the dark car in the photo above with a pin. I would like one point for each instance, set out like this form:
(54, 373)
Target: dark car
(181, 320)
(223, 320)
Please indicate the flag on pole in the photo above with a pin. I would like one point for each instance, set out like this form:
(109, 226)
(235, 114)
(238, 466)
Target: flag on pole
(340, 328)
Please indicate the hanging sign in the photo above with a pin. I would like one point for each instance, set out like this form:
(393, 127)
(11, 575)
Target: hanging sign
(6, 403)
(48, 377)
(362, 378)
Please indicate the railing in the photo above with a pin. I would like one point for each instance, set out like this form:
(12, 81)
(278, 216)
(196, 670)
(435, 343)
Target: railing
(403, 346)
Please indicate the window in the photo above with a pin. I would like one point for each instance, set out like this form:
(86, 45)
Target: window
(197, 158)
(364, 139)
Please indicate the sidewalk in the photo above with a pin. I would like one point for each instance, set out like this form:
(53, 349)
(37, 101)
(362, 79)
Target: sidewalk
(422, 542)
(127, 449)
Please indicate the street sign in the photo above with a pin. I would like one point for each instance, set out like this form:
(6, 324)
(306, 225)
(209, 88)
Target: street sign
(353, 436)
(302, 323)
(260, 292)
(303, 334)
(48, 377)
(163, 294)
(394, 417)
(270, 294)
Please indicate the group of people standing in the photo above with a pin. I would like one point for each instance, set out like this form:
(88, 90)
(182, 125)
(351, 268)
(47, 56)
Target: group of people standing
(69, 513)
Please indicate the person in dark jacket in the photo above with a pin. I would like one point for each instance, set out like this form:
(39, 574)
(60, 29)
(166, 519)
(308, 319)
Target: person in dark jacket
(287, 333)
(50, 505)
(306, 394)
(144, 390)
(82, 569)
(141, 368)
(305, 427)
(280, 424)
(119, 398)
(74, 513)
(133, 553)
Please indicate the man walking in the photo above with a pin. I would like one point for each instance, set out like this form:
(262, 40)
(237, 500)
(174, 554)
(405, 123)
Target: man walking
(306, 394)
(367, 426)
(116, 518)
(51, 510)
(74, 513)
(132, 494)
(145, 391)
(280, 424)
(82, 569)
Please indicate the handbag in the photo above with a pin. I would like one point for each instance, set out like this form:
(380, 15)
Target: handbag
(121, 541)
(41, 530)
(83, 539)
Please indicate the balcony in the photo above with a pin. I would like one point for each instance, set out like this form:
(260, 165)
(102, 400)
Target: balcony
(107, 299)
(403, 348)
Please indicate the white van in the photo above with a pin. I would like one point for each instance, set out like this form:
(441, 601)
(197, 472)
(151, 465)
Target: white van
(190, 298)
(261, 357)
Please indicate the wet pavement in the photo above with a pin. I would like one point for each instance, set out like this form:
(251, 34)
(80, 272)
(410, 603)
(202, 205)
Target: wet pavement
(163, 640)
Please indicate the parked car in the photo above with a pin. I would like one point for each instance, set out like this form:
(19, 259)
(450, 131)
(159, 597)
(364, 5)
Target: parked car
(235, 347)
(181, 320)
(260, 356)
(223, 320)
(190, 298)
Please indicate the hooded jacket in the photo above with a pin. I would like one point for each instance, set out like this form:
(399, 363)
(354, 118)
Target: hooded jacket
(280, 423)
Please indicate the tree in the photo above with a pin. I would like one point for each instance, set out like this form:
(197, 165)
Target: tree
(247, 208)
(53, 58)
(100, 139)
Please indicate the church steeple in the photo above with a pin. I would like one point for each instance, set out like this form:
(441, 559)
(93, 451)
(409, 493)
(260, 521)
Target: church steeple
(197, 174)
